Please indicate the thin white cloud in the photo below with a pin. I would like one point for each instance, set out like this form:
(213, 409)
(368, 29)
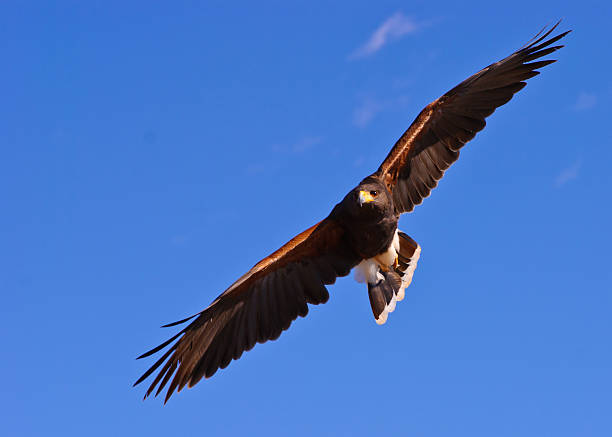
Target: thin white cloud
(569, 174)
(179, 240)
(306, 143)
(358, 162)
(303, 144)
(393, 28)
(365, 113)
(585, 101)
(256, 168)
(370, 107)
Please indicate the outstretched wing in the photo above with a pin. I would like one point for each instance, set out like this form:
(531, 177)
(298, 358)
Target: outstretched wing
(256, 308)
(432, 142)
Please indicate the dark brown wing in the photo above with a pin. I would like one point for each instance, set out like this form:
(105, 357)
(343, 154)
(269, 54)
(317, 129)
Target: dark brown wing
(256, 308)
(432, 142)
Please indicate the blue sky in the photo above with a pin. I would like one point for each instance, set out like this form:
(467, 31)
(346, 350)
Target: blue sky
(152, 153)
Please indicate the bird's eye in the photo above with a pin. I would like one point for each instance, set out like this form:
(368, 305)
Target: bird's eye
(374, 193)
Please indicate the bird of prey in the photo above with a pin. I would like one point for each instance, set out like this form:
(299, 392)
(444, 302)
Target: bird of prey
(360, 233)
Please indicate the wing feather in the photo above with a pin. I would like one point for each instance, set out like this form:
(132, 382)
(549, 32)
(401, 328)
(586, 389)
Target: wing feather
(256, 308)
(432, 142)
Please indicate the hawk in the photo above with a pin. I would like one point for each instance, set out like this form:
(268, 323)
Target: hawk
(359, 234)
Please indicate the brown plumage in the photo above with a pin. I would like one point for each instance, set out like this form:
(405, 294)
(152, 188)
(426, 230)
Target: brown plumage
(256, 308)
(432, 142)
(360, 231)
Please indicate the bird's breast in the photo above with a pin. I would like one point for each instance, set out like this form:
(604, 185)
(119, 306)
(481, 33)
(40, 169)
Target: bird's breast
(372, 239)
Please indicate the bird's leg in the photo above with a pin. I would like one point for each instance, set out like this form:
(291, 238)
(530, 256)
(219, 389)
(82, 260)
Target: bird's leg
(387, 260)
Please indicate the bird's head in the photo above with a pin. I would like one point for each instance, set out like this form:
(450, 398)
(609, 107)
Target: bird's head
(369, 199)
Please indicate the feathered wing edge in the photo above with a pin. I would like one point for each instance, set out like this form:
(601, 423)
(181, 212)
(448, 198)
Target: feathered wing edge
(256, 308)
(431, 144)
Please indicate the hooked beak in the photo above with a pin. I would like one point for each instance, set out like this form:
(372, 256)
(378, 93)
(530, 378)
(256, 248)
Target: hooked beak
(365, 197)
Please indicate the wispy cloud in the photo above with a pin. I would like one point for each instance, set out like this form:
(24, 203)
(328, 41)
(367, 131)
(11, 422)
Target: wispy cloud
(256, 168)
(306, 143)
(393, 28)
(370, 107)
(568, 174)
(585, 101)
(301, 145)
(179, 240)
(364, 113)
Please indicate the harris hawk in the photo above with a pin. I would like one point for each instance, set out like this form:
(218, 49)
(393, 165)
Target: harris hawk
(360, 233)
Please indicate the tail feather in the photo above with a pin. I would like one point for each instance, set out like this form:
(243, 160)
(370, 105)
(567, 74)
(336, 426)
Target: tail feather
(387, 286)
(383, 295)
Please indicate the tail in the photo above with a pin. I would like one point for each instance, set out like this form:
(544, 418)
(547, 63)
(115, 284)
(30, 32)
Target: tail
(384, 295)
(386, 288)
